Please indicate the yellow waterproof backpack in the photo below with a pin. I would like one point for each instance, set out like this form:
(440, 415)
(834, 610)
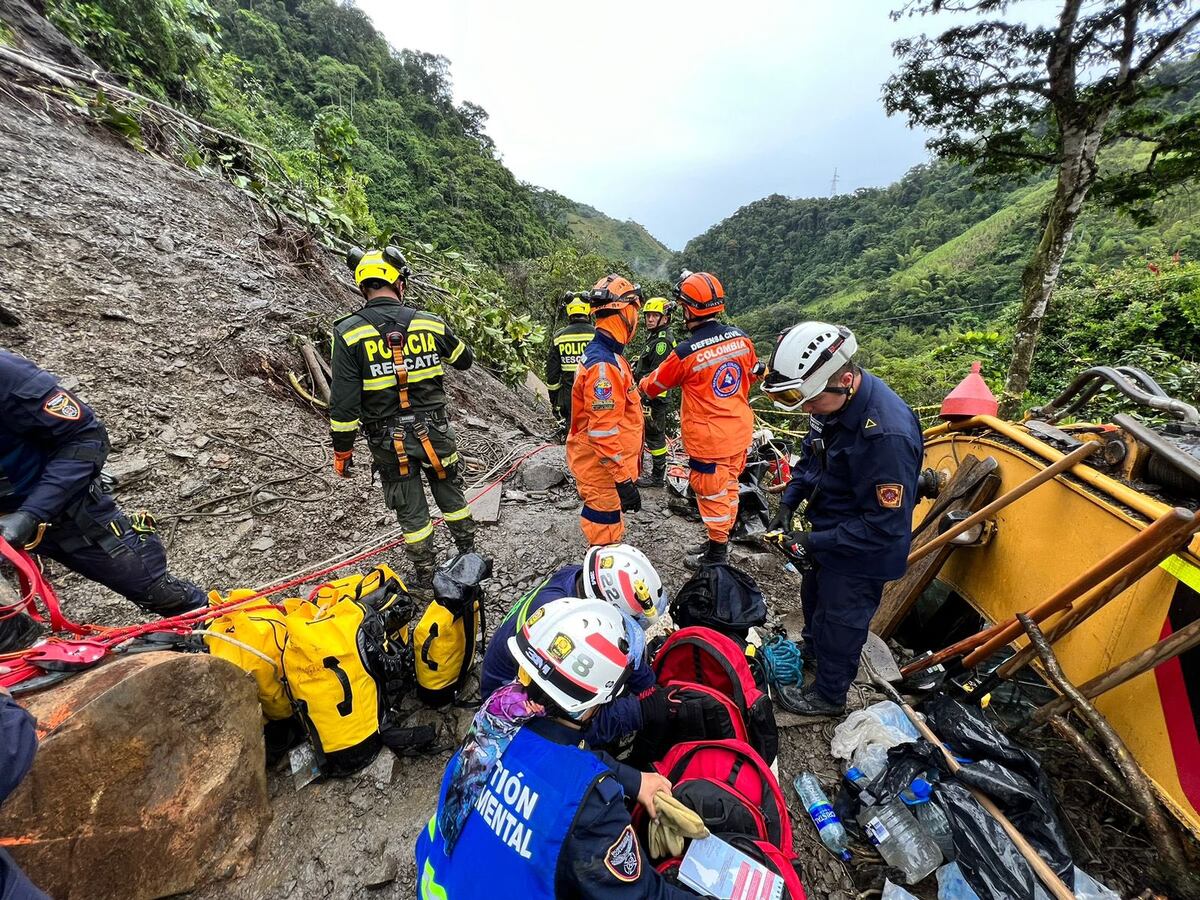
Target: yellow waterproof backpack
(253, 641)
(445, 638)
(328, 677)
(381, 589)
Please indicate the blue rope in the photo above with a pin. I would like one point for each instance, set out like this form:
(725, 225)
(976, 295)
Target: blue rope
(781, 661)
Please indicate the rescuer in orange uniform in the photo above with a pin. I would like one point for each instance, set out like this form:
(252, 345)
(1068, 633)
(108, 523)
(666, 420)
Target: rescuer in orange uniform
(715, 367)
(604, 446)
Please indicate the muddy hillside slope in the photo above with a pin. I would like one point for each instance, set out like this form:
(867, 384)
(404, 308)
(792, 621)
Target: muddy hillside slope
(170, 302)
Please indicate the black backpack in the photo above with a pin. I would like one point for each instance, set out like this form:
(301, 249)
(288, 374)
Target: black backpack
(722, 598)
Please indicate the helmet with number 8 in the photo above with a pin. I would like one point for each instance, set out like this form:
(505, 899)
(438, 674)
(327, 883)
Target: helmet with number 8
(623, 576)
(575, 650)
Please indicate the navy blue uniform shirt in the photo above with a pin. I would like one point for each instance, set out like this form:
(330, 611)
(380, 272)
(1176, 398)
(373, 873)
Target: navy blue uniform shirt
(603, 832)
(51, 444)
(614, 720)
(858, 472)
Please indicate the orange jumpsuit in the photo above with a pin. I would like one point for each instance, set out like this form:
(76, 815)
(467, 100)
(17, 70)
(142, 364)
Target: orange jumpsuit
(604, 445)
(713, 368)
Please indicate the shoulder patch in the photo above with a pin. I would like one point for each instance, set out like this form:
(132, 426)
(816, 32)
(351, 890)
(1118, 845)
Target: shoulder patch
(870, 423)
(62, 405)
(624, 857)
(661, 348)
(889, 496)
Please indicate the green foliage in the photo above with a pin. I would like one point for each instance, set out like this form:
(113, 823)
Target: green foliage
(6, 35)
(1144, 314)
(595, 232)
(161, 46)
(780, 250)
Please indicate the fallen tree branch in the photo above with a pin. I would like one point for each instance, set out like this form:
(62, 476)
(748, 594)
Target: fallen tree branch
(299, 389)
(1164, 838)
(315, 371)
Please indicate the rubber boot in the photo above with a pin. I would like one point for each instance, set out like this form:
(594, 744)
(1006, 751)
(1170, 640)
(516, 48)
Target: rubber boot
(715, 554)
(463, 533)
(424, 563)
(657, 476)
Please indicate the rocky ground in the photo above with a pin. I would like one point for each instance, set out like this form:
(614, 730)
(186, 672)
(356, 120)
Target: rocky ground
(170, 303)
(166, 301)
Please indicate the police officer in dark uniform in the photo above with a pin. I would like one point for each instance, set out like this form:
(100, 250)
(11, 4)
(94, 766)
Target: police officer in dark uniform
(562, 359)
(402, 411)
(52, 501)
(659, 343)
(859, 468)
(18, 746)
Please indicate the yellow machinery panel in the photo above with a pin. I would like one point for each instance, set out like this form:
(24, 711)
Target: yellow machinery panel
(1047, 538)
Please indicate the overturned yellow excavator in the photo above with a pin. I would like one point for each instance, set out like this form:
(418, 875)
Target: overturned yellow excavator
(1102, 551)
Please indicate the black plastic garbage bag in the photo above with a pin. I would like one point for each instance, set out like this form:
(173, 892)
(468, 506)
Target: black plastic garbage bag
(1009, 774)
(999, 768)
(457, 583)
(720, 597)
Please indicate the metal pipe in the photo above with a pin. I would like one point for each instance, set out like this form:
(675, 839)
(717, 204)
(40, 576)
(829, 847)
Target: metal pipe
(1082, 389)
(1072, 459)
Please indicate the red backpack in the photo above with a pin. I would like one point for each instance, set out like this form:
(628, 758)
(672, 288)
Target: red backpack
(781, 863)
(732, 789)
(702, 656)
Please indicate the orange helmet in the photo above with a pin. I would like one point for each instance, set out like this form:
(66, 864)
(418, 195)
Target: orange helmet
(701, 293)
(614, 292)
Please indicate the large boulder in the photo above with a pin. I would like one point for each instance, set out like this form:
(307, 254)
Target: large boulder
(149, 780)
(544, 470)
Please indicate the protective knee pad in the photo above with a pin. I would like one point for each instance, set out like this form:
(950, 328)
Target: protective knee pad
(171, 596)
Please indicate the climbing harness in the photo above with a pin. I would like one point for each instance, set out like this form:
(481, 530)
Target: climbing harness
(409, 420)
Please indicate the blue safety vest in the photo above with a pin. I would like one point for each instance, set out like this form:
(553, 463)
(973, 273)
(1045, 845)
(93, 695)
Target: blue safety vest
(511, 843)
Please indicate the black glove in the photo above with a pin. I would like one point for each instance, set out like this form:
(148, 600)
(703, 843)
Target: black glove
(797, 550)
(654, 711)
(631, 498)
(782, 520)
(18, 528)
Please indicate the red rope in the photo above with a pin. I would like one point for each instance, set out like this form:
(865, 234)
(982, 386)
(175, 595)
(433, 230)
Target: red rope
(112, 637)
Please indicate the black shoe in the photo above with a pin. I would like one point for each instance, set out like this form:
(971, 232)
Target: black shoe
(657, 476)
(715, 554)
(807, 702)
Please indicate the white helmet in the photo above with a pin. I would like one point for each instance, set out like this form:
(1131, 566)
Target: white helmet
(623, 576)
(804, 360)
(575, 650)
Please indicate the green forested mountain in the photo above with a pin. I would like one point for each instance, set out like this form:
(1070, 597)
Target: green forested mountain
(927, 272)
(780, 249)
(593, 231)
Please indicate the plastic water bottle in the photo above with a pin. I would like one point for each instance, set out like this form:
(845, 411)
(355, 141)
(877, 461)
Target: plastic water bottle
(829, 826)
(900, 840)
(930, 816)
(856, 783)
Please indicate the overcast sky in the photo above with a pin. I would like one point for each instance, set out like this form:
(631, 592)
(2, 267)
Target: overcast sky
(674, 113)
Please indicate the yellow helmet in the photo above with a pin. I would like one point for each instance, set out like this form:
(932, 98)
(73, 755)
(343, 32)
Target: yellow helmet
(387, 264)
(656, 305)
(577, 306)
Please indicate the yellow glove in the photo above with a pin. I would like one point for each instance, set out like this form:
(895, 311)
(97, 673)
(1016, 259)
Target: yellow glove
(674, 823)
